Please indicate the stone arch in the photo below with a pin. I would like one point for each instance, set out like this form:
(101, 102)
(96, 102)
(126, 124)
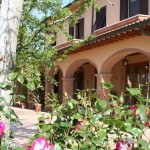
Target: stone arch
(75, 65)
(59, 68)
(117, 56)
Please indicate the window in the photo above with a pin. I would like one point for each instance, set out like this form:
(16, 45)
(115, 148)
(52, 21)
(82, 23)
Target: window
(78, 30)
(129, 8)
(134, 7)
(100, 18)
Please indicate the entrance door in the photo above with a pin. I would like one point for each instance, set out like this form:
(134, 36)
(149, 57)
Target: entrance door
(137, 77)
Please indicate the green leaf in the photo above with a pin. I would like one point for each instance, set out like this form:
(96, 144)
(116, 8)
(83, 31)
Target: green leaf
(101, 134)
(136, 131)
(98, 107)
(21, 97)
(77, 116)
(96, 140)
(144, 144)
(57, 147)
(147, 100)
(1, 99)
(12, 76)
(142, 108)
(84, 146)
(7, 116)
(20, 78)
(46, 127)
(70, 105)
(143, 116)
(19, 148)
(109, 121)
(134, 91)
(107, 85)
(117, 110)
(98, 116)
(102, 103)
(119, 123)
(74, 101)
(65, 124)
(31, 86)
(4, 147)
(41, 118)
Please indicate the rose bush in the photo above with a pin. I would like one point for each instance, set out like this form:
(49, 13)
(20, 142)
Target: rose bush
(90, 123)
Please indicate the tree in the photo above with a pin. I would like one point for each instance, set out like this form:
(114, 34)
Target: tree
(9, 22)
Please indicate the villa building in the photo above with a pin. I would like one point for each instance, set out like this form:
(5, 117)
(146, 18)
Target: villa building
(119, 52)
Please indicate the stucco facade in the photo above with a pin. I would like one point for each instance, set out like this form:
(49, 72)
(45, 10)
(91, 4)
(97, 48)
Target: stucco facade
(102, 58)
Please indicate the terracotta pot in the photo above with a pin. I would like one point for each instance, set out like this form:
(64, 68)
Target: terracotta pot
(24, 105)
(31, 105)
(38, 107)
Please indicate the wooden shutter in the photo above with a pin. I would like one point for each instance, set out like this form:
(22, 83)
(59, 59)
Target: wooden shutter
(81, 28)
(144, 7)
(71, 31)
(101, 18)
(123, 9)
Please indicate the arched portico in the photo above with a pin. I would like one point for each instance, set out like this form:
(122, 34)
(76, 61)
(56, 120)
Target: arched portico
(119, 55)
(121, 76)
(57, 75)
(80, 75)
(75, 65)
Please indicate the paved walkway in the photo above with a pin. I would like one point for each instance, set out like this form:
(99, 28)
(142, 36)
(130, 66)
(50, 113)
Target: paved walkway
(22, 133)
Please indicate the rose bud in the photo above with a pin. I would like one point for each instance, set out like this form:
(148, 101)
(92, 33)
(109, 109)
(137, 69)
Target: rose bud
(146, 123)
(121, 100)
(121, 146)
(133, 107)
(79, 124)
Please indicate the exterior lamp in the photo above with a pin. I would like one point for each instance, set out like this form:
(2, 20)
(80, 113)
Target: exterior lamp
(125, 62)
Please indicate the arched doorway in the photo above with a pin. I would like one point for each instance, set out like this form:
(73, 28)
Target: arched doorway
(129, 68)
(79, 75)
(84, 77)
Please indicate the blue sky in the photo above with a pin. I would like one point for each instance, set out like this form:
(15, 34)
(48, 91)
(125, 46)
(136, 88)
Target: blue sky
(40, 15)
(67, 2)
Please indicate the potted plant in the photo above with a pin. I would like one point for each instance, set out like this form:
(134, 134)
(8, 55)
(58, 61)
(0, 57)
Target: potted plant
(21, 100)
(23, 104)
(51, 99)
(35, 96)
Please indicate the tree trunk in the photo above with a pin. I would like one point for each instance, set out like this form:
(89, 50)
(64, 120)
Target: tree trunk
(9, 23)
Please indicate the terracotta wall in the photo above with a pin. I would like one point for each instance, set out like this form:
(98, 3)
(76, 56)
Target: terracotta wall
(89, 76)
(99, 55)
(112, 17)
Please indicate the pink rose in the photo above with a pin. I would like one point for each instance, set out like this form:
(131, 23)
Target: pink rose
(133, 107)
(2, 128)
(146, 123)
(41, 144)
(79, 124)
(121, 146)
